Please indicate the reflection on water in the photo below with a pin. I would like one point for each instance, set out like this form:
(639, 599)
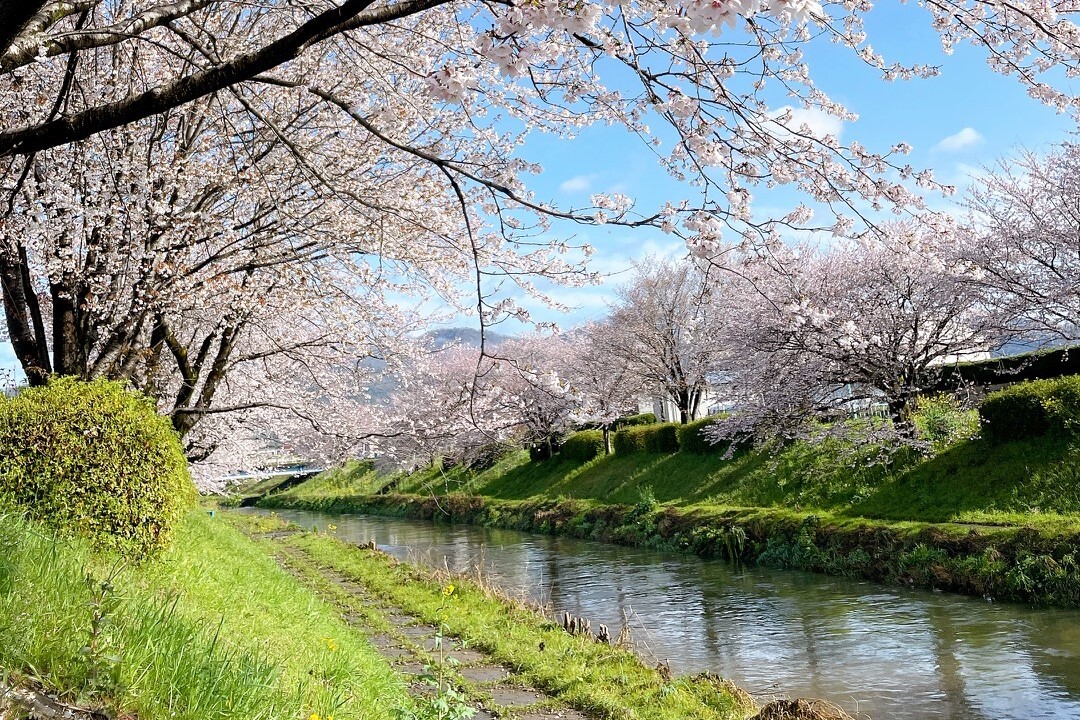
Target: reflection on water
(890, 653)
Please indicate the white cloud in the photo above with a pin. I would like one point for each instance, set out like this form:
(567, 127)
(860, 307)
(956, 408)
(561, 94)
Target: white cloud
(577, 184)
(615, 256)
(966, 174)
(818, 121)
(966, 138)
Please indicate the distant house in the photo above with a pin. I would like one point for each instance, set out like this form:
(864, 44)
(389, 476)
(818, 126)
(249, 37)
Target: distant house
(666, 410)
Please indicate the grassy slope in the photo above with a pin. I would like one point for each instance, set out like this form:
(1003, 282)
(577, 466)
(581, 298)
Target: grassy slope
(214, 629)
(606, 680)
(1033, 482)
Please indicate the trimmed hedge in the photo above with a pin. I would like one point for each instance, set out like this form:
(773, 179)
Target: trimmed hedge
(691, 439)
(657, 438)
(635, 420)
(95, 459)
(583, 446)
(1031, 409)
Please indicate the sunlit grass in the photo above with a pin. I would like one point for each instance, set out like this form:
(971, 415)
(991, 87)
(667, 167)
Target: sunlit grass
(1033, 482)
(602, 679)
(214, 629)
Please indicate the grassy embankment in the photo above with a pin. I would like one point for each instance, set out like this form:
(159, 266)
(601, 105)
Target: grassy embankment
(997, 520)
(215, 628)
(601, 679)
(212, 629)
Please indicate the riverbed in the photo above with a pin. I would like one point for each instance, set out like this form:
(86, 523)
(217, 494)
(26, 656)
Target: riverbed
(885, 652)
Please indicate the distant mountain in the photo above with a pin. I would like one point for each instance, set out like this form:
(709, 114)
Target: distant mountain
(1022, 347)
(464, 336)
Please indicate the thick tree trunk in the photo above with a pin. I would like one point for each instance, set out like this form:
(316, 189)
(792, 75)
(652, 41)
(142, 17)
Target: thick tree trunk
(899, 413)
(607, 439)
(66, 345)
(25, 328)
(687, 405)
(14, 14)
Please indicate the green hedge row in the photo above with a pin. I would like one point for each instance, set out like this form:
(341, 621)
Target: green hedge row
(692, 440)
(657, 438)
(1031, 409)
(583, 446)
(635, 420)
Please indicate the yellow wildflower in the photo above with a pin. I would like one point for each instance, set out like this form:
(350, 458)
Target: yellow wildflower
(314, 716)
(448, 590)
(331, 646)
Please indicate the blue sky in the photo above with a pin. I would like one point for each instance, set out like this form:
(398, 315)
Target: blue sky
(967, 117)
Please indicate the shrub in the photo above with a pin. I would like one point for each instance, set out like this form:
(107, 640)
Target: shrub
(941, 421)
(692, 440)
(583, 446)
(1063, 404)
(1030, 409)
(658, 438)
(635, 420)
(95, 459)
(630, 440)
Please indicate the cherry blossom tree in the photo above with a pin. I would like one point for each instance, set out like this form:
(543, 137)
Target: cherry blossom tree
(456, 403)
(1022, 237)
(435, 410)
(529, 375)
(703, 81)
(295, 146)
(825, 332)
(661, 328)
(605, 387)
(167, 253)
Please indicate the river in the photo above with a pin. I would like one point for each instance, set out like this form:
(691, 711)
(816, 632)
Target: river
(891, 653)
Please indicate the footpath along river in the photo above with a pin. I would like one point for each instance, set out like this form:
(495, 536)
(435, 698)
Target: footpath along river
(893, 654)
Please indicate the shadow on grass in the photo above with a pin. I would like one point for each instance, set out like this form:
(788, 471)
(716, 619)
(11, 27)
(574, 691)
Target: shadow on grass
(678, 477)
(1037, 475)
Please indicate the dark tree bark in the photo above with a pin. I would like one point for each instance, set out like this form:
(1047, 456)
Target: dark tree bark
(81, 125)
(14, 14)
(26, 329)
(65, 333)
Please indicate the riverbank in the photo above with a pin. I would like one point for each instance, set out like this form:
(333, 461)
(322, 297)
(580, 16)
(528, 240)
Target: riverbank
(993, 521)
(248, 618)
(213, 628)
(502, 655)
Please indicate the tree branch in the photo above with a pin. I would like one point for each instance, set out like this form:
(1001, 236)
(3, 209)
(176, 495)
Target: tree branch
(81, 125)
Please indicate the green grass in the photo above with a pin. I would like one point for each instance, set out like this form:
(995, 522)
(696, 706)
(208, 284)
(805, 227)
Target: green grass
(354, 475)
(977, 482)
(1034, 482)
(213, 629)
(439, 481)
(604, 680)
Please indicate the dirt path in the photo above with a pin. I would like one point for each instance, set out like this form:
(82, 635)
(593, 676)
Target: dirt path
(24, 702)
(433, 666)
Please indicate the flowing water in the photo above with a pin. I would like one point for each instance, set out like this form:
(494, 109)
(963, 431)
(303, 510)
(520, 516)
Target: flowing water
(887, 652)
